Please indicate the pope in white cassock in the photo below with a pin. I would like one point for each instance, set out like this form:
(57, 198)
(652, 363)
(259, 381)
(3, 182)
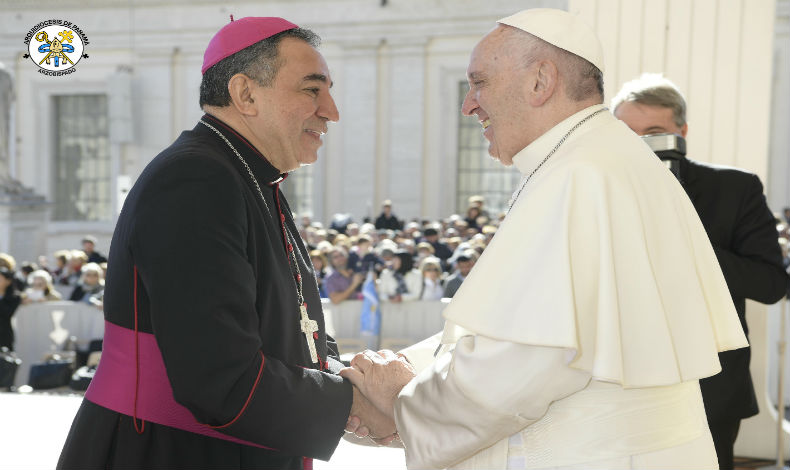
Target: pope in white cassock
(578, 339)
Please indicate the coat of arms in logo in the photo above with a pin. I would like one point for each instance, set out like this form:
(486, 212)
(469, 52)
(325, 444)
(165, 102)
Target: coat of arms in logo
(56, 46)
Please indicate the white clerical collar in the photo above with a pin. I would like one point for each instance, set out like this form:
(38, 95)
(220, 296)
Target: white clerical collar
(530, 157)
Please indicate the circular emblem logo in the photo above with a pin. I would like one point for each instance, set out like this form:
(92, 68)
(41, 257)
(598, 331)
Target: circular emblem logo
(56, 46)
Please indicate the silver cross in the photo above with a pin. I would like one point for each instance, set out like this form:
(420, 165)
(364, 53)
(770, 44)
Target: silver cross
(308, 328)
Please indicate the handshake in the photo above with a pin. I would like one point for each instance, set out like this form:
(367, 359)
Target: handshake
(377, 377)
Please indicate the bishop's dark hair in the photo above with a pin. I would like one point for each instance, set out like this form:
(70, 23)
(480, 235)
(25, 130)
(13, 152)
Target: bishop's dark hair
(260, 61)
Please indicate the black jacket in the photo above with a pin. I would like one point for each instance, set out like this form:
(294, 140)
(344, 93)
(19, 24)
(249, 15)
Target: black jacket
(389, 223)
(216, 289)
(742, 230)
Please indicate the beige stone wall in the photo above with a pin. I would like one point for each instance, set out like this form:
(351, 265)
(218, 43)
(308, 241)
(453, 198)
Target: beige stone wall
(719, 52)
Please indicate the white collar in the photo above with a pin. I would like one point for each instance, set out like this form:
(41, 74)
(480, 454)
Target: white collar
(530, 156)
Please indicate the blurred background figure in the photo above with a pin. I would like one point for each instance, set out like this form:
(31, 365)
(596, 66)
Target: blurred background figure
(77, 260)
(388, 220)
(424, 250)
(400, 282)
(321, 268)
(7, 261)
(23, 274)
(362, 258)
(89, 248)
(472, 215)
(60, 273)
(342, 283)
(9, 302)
(479, 202)
(440, 249)
(340, 223)
(386, 252)
(40, 288)
(431, 270)
(43, 263)
(90, 286)
(463, 264)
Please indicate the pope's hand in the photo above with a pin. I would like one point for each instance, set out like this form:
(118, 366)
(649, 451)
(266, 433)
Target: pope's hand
(380, 377)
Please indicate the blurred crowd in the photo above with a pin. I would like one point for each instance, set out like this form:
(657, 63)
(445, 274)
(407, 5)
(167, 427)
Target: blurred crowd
(76, 275)
(414, 260)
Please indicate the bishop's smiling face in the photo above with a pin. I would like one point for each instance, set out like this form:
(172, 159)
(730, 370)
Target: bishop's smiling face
(497, 94)
(294, 110)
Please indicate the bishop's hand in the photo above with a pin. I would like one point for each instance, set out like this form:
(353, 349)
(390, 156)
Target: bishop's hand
(378, 427)
(380, 377)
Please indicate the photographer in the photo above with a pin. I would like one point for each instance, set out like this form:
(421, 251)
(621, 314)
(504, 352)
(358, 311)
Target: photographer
(742, 230)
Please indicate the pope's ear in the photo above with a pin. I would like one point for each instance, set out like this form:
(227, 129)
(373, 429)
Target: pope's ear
(544, 83)
(240, 88)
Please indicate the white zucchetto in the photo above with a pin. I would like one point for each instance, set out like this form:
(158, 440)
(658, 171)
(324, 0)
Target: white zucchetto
(561, 29)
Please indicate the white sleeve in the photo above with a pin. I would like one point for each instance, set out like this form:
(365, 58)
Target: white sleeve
(482, 392)
(420, 355)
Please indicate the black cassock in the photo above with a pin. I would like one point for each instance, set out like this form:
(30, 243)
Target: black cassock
(216, 289)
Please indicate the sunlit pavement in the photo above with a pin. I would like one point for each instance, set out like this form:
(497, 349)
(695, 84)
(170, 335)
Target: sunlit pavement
(34, 427)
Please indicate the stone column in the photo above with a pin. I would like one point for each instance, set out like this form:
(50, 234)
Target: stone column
(405, 158)
(23, 213)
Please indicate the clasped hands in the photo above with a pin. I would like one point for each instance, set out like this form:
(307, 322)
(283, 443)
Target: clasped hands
(377, 377)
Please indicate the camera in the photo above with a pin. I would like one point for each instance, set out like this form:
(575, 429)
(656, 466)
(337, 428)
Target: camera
(670, 148)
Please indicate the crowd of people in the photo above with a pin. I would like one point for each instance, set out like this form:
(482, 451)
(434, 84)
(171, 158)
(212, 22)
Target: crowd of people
(418, 260)
(77, 275)
(415, 260)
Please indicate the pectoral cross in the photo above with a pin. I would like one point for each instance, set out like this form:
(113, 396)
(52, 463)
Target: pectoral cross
(308, 328)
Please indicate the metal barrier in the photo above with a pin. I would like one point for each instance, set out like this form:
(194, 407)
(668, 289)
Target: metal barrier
(402, 324)
(44, 327)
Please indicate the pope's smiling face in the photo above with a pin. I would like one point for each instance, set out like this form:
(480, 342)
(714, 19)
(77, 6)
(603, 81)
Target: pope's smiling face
(293, 112)
(497, 94)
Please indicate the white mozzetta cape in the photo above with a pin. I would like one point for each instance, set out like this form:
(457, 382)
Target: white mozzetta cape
(602, 267)
(603, 253)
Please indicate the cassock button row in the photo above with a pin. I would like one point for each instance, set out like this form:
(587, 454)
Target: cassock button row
(298, 277)
(290, 247)
(282, 217)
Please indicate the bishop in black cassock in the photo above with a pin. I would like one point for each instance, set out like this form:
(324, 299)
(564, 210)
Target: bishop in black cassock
(206, 279)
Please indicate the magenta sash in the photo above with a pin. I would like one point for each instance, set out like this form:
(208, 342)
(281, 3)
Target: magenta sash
(113, 385)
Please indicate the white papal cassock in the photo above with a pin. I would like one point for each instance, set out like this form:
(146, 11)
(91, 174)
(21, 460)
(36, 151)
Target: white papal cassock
(579, 337)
